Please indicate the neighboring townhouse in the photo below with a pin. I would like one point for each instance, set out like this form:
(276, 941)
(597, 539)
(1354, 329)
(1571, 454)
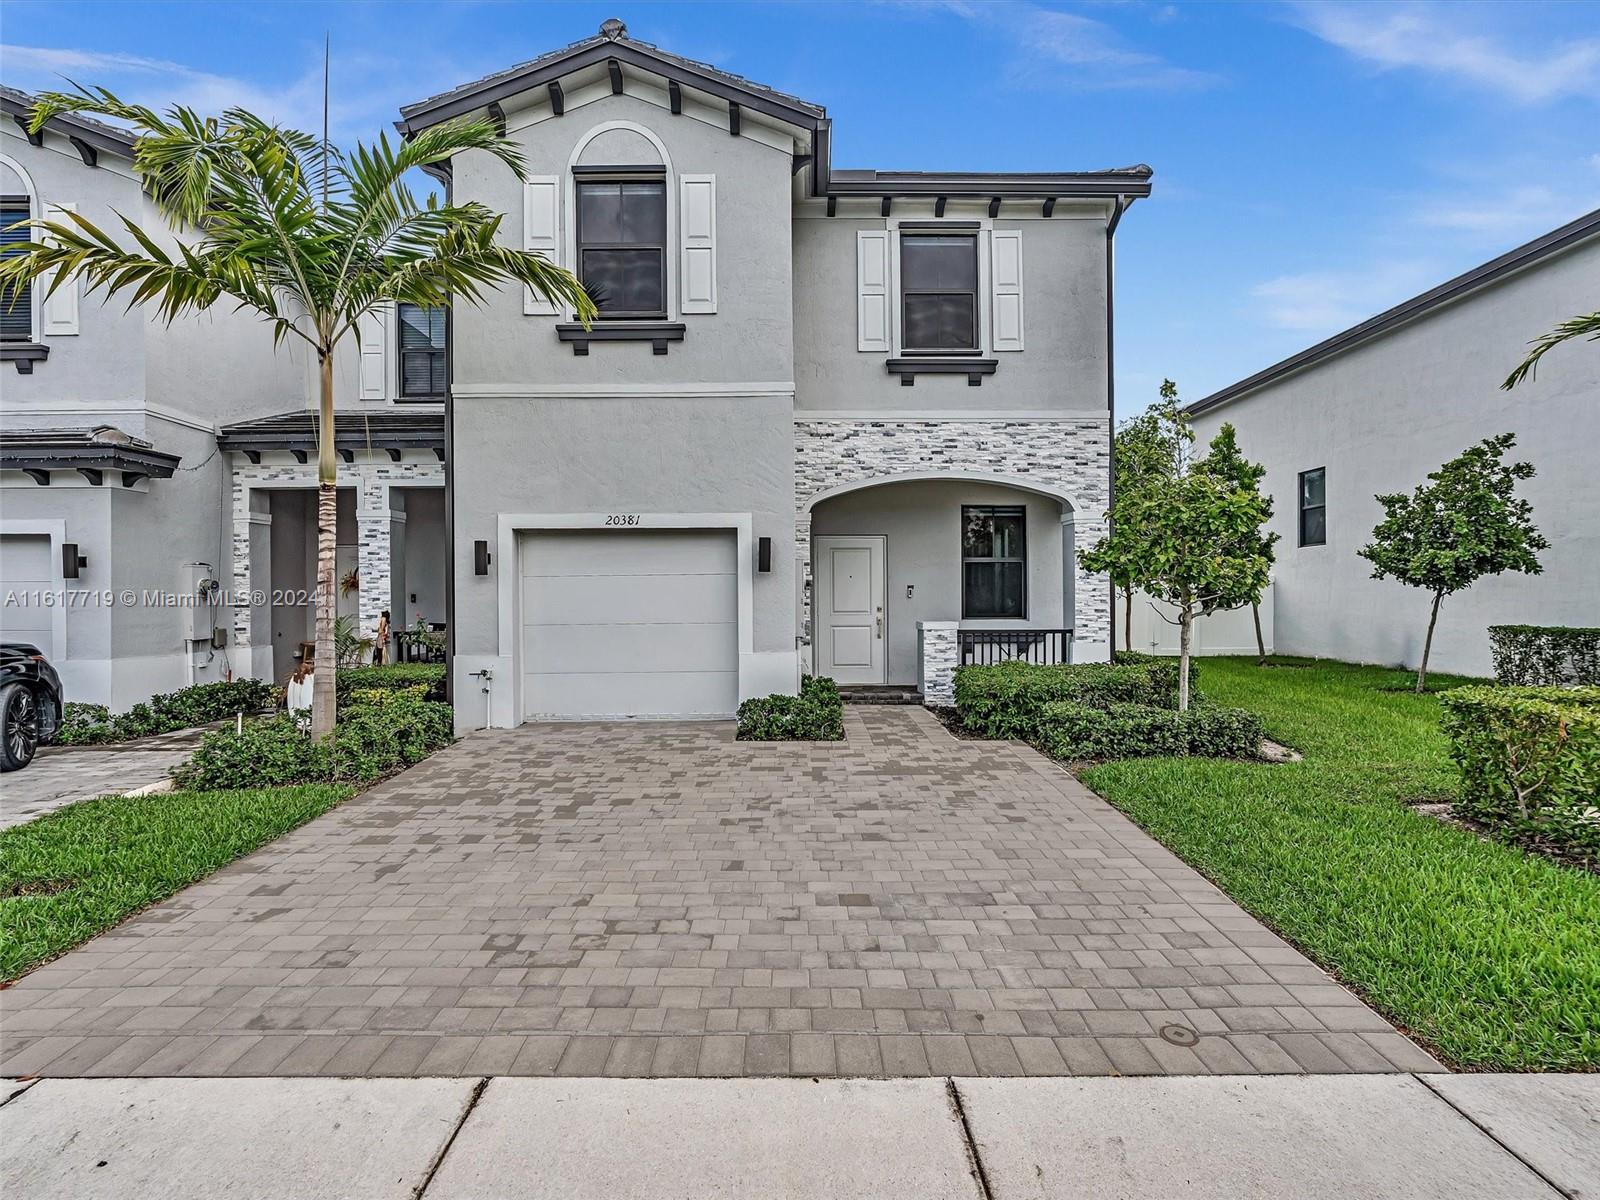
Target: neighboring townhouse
(844, 421)
(1375, 408)
(157, 522)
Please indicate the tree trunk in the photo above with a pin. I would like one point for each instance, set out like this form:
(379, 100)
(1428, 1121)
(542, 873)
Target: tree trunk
(324, 693)
(1427, 645)
(1185, 626)
(1127, 619)
(1261, 642)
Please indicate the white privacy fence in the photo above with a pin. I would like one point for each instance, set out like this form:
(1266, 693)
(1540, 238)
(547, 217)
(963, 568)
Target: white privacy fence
(1155, 629)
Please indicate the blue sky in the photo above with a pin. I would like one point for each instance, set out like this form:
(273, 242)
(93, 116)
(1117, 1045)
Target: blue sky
(1314, 163)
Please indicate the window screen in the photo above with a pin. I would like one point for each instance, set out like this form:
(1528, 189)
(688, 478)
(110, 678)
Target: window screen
(1313, 507)
(939, 291)
(622, 246)
(16, 303)
(422, 351)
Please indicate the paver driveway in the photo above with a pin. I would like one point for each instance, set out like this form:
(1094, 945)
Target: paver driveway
(660, 899)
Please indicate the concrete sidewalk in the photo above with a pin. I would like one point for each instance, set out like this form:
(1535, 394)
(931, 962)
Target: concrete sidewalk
(1494, 1137)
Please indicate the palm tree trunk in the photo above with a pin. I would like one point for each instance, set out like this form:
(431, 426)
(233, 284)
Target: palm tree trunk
(1127, 620)
(1261, 643)
(1185, 626)
(323, 693)
(1427, 645)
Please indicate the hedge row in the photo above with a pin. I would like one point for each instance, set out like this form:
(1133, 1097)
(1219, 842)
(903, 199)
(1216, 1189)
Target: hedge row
(1530, 762)
(815, 715)
(1074, 732)
(1008, 699)
(369, 741)
(1545, 655)
(392, 677)
(93, 724)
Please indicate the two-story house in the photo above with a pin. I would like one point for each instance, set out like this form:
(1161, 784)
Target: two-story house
(157, 517)
(836, 421)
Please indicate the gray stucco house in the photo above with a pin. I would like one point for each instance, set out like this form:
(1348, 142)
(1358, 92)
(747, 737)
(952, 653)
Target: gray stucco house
(1375, 408)
(171, 465)
(827, 416)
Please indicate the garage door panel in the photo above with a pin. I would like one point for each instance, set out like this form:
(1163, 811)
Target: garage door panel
(625, 649)
(628, 599)
(652, 694)
(25, 567)
(636, 552)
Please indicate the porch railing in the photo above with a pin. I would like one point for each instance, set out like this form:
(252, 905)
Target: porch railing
(985, 647)
(412, 647)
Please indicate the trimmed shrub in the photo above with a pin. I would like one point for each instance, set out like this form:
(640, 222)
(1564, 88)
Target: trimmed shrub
(1545, 655)
(376, 697)
(1007, 700)
(815, 715)
(92, 724)
(391, 677)
(370, 741)
(1530, 762)
(1073, 732)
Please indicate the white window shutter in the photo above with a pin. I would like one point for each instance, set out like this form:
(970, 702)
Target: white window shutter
(59, 314)
(1005, 274)
(541, 231)
(697, 220)
(872, 290)
(374, 329)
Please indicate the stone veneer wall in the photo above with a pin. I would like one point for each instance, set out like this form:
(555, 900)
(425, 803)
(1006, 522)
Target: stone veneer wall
(371, 477)
(1070, 454)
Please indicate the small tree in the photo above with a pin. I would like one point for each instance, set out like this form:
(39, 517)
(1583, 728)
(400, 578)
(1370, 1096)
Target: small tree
(1147, 446)
(1227, 463)
(1586, 326)
(1465, 524)
(1199, 547)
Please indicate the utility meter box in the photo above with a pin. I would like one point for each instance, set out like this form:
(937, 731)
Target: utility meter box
(200, 600)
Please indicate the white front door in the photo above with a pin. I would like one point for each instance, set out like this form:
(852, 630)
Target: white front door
(851, 633)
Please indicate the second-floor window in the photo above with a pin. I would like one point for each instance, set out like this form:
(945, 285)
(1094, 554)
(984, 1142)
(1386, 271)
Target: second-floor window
(422, 352)
(939, 292)
(1314, 507)
(16, 304)
(622, 245)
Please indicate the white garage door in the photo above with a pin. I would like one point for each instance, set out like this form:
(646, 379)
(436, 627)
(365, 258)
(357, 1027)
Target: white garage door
(26, 567)
(629, 624)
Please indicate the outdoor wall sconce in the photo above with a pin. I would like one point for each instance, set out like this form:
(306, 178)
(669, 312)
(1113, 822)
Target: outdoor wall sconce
(71, 560)
(480, 558)
(764, 555)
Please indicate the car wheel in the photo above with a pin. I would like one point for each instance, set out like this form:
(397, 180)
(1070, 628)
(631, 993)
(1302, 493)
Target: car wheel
(19, 726)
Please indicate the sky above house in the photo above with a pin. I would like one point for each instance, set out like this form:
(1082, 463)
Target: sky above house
(1314, 162)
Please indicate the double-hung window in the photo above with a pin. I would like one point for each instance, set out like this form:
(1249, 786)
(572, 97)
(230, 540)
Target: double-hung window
(622, 245)
(939, 292)
(1314, 507)
(994, 561)
(16, 302)
(422, 352)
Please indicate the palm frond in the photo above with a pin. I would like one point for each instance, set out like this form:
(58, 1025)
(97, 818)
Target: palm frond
(1583, 326)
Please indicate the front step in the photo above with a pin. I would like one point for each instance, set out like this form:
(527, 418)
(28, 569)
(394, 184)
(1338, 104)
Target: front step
(880, 694)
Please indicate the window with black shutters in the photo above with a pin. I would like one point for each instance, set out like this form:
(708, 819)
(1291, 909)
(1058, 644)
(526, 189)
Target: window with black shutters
(994, 562)
(422, 360)
(16, 303)
(939, 292)
(1314, 507)
(622, 246)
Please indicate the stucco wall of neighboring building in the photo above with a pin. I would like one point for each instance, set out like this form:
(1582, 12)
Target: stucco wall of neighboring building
(1380, 416)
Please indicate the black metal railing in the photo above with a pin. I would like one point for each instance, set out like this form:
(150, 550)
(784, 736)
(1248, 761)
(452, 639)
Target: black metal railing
(413, 647)
(985, 647)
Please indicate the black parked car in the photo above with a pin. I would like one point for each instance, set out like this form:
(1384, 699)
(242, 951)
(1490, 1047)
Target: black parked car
(30, 704)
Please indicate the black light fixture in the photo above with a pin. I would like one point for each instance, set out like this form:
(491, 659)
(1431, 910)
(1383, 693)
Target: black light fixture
(480, 558)
(71, 560)
(764, 555)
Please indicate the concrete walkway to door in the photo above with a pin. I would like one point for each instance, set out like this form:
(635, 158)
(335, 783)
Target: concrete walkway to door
(659, 899)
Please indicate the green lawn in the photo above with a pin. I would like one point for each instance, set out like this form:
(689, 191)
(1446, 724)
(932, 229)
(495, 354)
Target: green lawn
(77, 872)
(1489, 955)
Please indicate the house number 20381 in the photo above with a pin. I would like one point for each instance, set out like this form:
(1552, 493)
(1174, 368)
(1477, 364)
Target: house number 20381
(622, 519)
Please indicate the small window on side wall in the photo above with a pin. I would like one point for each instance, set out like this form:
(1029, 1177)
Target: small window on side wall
(622, 246)
(1313, 507)
(16, 303)
(994, 561)
(422, 352)
(939, 293)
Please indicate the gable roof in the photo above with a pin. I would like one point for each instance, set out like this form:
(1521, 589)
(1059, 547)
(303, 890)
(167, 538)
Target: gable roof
(612, 43)
(1512, 261)
(97, 135)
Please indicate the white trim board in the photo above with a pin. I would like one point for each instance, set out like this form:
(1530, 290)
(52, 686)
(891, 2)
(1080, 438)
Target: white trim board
(879, 415)
(616, 391)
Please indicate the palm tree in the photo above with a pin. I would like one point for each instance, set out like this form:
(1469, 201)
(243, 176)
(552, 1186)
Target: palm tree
(1583, 326)
(310, 239)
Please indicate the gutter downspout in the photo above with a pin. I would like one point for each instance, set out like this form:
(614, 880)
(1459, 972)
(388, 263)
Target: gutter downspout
(1122, 205)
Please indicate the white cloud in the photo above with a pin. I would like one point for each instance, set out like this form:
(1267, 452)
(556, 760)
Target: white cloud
(1432, 38)
(1511, 213)
(1324, 302)
(1060, 49)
